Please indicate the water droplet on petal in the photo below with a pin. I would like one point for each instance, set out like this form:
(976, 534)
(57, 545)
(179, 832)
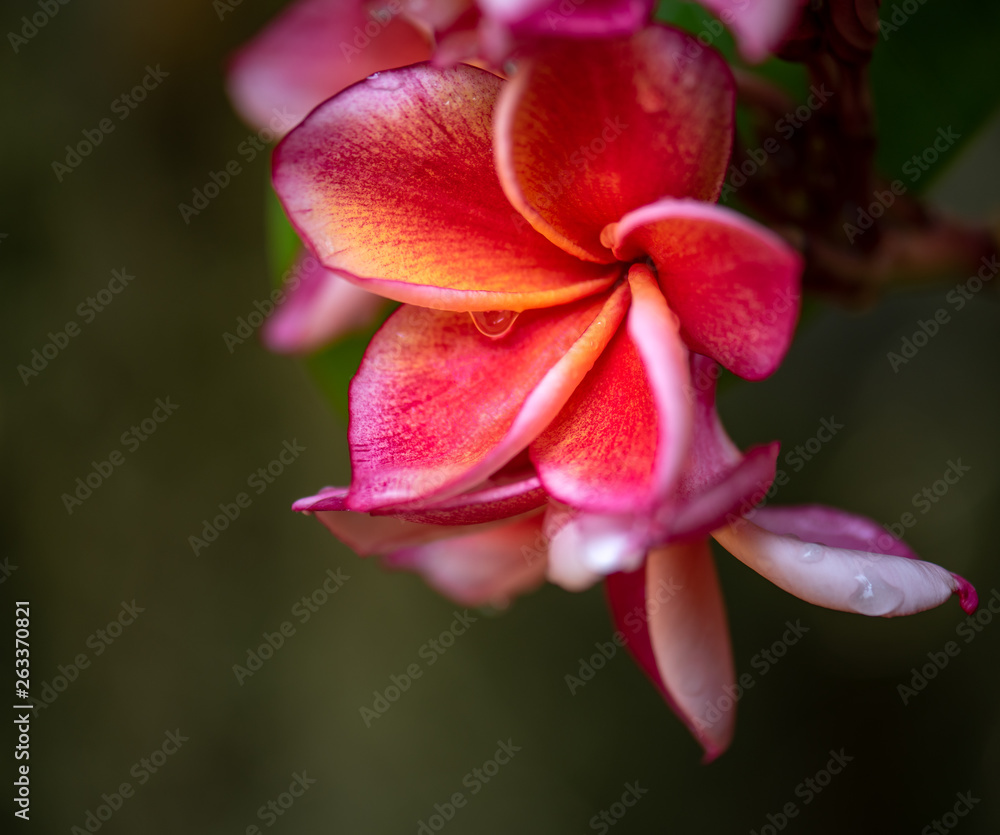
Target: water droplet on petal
(812, 553)
(494, 323)
(874, 595)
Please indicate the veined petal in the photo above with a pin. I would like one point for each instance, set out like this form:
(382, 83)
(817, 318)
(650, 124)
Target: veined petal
(319, 307)
(682, 642)
(588, 131)
(437, 407)
(619, 443)
(759, 25)
(312, 50)
(393, 185)
(489, 566)
(841, 561)
(733, 283)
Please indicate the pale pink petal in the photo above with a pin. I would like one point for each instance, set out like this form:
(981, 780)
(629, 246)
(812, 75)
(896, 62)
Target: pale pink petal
(481, 567)
(733, 284)
(759, 25)
(673, 618)
(312, 50)
(841, 561)
(584, 547)
(319, 307)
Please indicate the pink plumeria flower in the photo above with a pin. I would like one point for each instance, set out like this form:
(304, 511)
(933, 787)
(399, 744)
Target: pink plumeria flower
(503, 537)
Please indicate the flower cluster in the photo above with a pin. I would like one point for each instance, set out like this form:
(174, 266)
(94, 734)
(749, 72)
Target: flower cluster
(542, 404)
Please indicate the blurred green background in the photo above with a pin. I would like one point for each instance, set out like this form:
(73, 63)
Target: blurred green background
(172, 669)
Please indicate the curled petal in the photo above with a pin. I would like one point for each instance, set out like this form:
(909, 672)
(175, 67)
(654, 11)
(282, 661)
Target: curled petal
(314, 50)
(437, 407)
(619, 443)
(392, 183)
(733, 283)
(367, 534)
(320, 307)
(486, 566)
(588, 131)
(499, 497)
(841, 561)
(678, 634)
(759, 25)
(733, 493)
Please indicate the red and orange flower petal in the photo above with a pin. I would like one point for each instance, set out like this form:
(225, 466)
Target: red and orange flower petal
(485, 566)
(588, 131)
(313, 50)
(684, 646)
(619, 443)
(393, 185)
(437, 407)
(841, 561)
(321, 307)
(733, 283)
